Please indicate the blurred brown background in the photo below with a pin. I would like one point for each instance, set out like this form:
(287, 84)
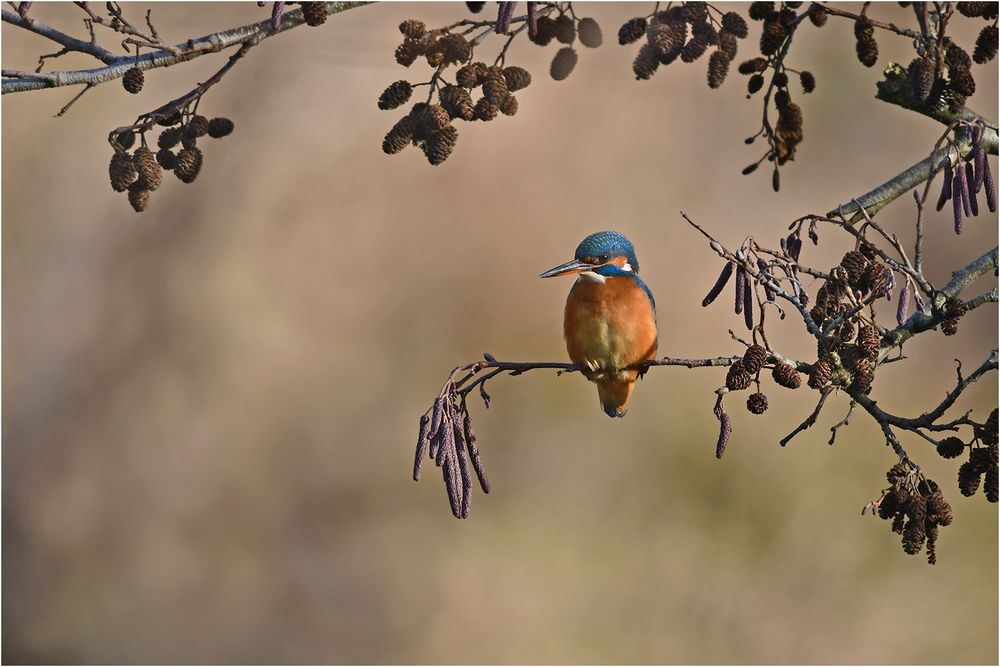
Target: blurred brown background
(211, 407)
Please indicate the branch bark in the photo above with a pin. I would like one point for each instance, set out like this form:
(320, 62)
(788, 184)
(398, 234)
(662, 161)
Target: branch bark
(116, 67)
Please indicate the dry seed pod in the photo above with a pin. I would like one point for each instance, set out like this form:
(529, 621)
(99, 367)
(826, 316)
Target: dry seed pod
(921, 78)
(407, 52)
(121, 171)
(133, 80)
(169, 138)
(808, 82)
(754, 358)
(166, 159)
(147, 167)
(470, 76)
(786, 376)
(565, 30)
(563, 63)
(412, 28)
(867, 50)
(396, 94)
(738, 377)
(517, 78)
(198, 126)
(440, 144)
(495, 86)
(646, 62)
(986, 45)
(632, 30)
(457, 102)
(220, 127)
(755, 83)
(139, 199)
(399, 137)
(314, 13)
(590, 33)
(718, 67)
(188, 166)
(820, 375)
(485, 110)
(757, 403)
(734, 24)
(509, 106)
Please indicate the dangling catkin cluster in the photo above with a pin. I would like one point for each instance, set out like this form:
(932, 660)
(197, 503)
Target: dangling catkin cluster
(141, 172)
(916, 507)
(686, 31)
(479, 91)
(963, 181)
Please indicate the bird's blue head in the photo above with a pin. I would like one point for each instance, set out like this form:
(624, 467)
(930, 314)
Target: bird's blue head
(604, 253)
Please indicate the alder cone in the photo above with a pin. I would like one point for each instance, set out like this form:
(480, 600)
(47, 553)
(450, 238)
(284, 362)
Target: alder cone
(563, 63)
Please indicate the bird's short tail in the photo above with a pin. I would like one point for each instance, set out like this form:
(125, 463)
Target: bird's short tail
(614, 393)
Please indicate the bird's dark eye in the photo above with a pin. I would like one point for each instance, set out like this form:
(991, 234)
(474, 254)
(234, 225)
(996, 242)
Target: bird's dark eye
(603, 258)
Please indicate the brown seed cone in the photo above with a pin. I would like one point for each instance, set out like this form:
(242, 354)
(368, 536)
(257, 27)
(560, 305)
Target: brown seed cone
(817, 15)
(728, 45)
(563, 63)
(820, 374)
(407, 52)
(495, 86)
(867, 50)
(971, 9)
(898, 472)
(509, 106)
(632, 30)
(734, 24)
(757, 403)
(197, 126)
(428, 118)
(951, 447)
(147, 167)
(188, 140)
(412, 28)
(920, 74)
(590, 33)
(956, 56)
(718, 68)
(990, 484)
(938, 509)
(961, 81)
(754, 358)
(455, 47)
(969, 478)
(988, 431)
(808, 82)
(399, 137)
(133, 80)
(786, 376)
(440, 144)
(846, 332)
(458, 103)
(771, 37)
(760, 10)
(694, 49)
(189, 163)
(139, 199)
(314, 13)
(517, 78)
(396, 94)
(737, 377)
(166, 158)
(121, 171)
(220, 127)
(470, 76)
(646, 62)
(914, 533)
(546, 31)
(169, 138)
(485, 110)
(565, 29)
(755, 83)
(434, 58)
(753, 65)
(986, 45)
(869, 341)
(854, 263)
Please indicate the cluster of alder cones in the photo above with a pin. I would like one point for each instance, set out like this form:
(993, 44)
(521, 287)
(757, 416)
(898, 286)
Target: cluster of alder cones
(141, 172)
(428, 125)
(747, 371)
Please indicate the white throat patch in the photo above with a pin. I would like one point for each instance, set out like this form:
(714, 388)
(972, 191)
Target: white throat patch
(592, 276)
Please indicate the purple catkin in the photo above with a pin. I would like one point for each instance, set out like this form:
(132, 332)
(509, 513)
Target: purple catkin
(532, 19)
(741, 279)
(725, 430)
(970, 179)
(762, 265)
(962, 189)
(748, 303)
(979, 156)
(276, 11)
(477, 463)
(505, 13)
(418, 461)
(991, 191)
(956, 201)
(904, 305)
(796, 248)
(463, 467)
(946, 188)
(717, 288)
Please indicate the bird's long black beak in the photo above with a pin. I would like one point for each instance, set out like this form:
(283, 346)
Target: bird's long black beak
(570, 267)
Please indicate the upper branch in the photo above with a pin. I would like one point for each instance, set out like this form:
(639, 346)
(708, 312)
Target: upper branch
(117, 66)
(61, 38)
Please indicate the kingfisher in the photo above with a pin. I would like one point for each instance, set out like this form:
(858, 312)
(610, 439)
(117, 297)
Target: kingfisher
(610, 317)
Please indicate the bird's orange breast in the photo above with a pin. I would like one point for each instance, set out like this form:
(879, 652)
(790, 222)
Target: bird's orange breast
(609, 325)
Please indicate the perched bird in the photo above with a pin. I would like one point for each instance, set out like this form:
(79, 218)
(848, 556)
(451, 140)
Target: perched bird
(610, 319)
